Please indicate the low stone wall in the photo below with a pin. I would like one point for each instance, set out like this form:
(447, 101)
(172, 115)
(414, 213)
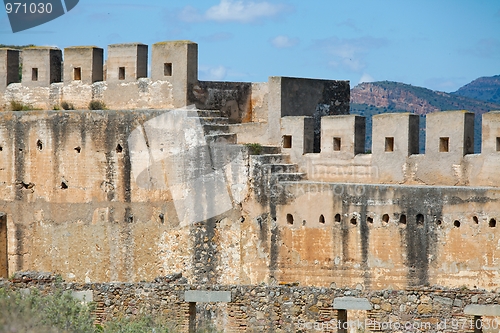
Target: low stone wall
(141, 94)
(284, 308)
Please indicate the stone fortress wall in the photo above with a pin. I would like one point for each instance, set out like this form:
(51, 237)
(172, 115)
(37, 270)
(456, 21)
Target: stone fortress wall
(122, 84)
(154, 187)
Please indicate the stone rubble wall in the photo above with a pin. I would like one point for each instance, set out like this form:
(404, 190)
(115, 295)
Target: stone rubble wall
(284, 308)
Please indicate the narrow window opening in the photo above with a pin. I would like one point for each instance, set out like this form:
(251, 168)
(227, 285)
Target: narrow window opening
(1, 148)
(498, 143)
(64, 186)
(304, 222)
(289, 218)
(337, 218)
(420, 219)
(167, 69)
(402, 219)
(475, 219)
(287, 141)
(322, 219)
(369, 219)
(354, 221)
(444, 145)
(162, 218)
(121, 73)
(337, 144)
(77, 74)
(389, 144)
(456, 223)
(78, 149)
(439, 222)
(39, 145)
(493, 223)
(119, 148)
(34, 74)
(385, 218)
(130, 218)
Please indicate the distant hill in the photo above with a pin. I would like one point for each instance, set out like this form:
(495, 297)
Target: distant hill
(368, 99)
(404, 97)
(484, 89)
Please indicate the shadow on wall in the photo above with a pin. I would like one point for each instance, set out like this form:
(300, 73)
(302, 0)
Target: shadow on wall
(4, 273)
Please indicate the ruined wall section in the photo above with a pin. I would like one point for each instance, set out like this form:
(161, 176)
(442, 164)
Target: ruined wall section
(111, 196)
(287, 308)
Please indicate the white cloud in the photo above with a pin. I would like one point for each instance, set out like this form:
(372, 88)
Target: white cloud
(282, 42)
(233, 11)
(217, 73)
(349, 53)
(190, 14)
(366, 78)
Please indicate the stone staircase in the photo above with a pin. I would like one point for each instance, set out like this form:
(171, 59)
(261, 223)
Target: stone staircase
(215, 127)
(268, 167)
(268, 170)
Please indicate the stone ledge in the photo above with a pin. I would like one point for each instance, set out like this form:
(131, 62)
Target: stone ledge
(207, 296)
(482, 310)
(351, 303)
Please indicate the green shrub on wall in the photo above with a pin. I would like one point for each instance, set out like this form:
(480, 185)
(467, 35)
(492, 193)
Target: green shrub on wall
(254, 148)
(19, 106)
(33, 313)
(97, 105)
(67, 106)
(59, 312)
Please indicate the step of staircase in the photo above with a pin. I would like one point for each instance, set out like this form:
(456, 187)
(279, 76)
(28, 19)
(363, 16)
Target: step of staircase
(229, 138)
(208, 113)
(281, 168)
(214, 120)
(271, 158)
(215, 129)
(290, 177)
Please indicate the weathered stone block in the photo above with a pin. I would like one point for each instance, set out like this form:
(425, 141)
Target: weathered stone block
(198, 296)
(126, 62)
(177, 63)
(86, 296)
(342, 137)
(83, 64)
(424, 308)
(491, 132)
(449, 133)
(482, 310)
(9, 67)
(297, 136)
(351, 303)
(41, 66)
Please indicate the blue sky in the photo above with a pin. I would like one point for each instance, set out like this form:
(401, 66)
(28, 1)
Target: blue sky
(438, 44)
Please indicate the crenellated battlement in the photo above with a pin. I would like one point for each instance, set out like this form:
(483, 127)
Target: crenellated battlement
(79, 75)
(448, 160)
